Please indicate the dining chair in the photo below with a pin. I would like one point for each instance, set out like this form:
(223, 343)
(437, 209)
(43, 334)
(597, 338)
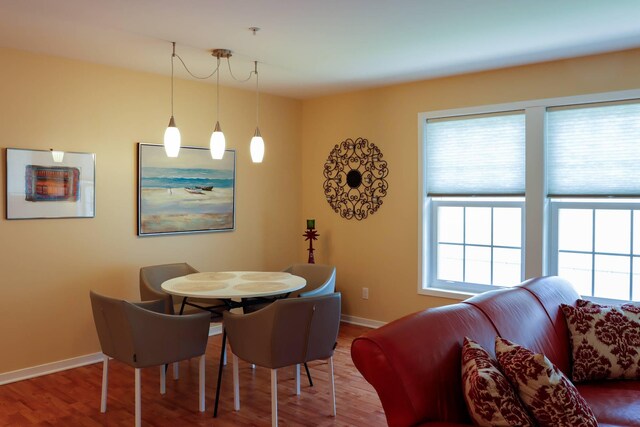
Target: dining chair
(141, 335)
(321, 279)
(152, 277)
(287, 332)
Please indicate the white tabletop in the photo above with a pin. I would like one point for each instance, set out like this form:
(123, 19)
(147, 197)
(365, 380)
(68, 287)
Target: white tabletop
(233, 284)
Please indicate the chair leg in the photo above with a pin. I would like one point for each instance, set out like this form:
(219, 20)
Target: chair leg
(176, 370)
(332, 388)
(138, 399)
(236, 384)
(105, 383)
(298, 379)
(201, 383)
(306, 368)
(274, 398)
(163, 380)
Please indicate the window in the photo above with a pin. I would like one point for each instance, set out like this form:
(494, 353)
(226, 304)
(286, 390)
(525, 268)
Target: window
(476, 181)
(594, 152)
(489, 216)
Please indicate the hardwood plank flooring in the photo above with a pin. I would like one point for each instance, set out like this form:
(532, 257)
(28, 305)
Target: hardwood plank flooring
(72, 398)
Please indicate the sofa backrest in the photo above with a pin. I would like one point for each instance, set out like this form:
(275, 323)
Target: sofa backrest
(414, 363)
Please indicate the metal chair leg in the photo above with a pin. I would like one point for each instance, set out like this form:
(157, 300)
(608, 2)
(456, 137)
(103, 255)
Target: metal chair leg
(222, 352)
(306, 367)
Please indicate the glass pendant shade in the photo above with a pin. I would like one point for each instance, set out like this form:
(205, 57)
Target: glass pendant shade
(217, 143)
(257, 147)
(172, 139)
(57, 155)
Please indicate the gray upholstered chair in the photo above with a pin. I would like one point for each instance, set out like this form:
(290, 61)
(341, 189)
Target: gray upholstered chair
(152, 277)
(141, 335)
(285, 333)
(321, 279)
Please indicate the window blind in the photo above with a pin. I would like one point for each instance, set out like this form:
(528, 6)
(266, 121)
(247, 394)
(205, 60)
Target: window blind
(476, 155)
(594, 150)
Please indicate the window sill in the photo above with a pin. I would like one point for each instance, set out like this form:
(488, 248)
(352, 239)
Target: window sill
(446, 293)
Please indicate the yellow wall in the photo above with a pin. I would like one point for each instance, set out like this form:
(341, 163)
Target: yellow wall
(381, 252)
(47, 267)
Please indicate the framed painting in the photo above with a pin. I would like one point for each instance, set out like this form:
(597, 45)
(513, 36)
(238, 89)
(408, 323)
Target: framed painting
(40, 187)
(189, 194)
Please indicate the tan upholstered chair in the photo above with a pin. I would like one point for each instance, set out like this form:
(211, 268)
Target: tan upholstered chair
(141, 335)
(321, 279)
(287, 332)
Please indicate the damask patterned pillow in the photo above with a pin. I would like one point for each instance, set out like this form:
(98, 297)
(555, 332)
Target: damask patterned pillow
(543, 388)
(605, 340)
(489, 395)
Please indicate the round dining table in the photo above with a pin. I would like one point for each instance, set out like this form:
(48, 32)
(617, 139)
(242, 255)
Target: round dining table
(233, 285)
(236, 289)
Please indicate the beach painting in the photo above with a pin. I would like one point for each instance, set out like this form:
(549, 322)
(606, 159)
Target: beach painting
(189, 194)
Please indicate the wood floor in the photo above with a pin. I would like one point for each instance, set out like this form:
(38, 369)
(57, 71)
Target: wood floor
(72, 398)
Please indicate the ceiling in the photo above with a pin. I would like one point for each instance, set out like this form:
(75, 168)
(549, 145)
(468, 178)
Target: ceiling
(310, 48)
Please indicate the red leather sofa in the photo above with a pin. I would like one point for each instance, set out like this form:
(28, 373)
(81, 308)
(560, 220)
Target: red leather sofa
(414, 362)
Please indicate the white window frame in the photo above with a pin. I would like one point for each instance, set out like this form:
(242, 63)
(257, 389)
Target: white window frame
(457, 202)
(536, 246)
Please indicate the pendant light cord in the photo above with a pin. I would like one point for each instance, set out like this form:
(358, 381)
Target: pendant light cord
(172, 56)
(257, 93)
(193, 75)
(218, 92)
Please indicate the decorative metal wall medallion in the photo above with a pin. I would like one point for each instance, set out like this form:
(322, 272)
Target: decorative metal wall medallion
(355, 178)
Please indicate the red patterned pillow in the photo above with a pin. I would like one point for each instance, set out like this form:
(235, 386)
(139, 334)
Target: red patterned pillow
(543, 388)
(605, 340)
(489, 395)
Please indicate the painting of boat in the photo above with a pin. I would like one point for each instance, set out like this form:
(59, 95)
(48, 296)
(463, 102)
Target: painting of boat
(191, 193)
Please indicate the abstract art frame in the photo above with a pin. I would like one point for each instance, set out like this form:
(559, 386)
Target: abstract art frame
(189, 194)
(37, 187)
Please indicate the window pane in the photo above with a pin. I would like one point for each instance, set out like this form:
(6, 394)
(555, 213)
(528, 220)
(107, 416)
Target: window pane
(506, 226)
(506, 267)
(478, 226)
(575, 230)
(576, 268)
(636, 279)
(450, 225)
(613, 231)
(612, 277)
(450, 262)
(478, 265)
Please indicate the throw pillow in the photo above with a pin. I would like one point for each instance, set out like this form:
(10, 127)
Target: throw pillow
(490, 397)
(543, 388)
(605, 340)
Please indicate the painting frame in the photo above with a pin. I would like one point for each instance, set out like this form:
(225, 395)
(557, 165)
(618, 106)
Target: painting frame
(37, 187)
(192, 193)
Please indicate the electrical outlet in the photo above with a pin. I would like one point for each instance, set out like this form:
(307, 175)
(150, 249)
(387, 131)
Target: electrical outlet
(365, 293)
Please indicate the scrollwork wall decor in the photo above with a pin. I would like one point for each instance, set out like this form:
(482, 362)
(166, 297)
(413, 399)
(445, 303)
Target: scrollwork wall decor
(355, 178)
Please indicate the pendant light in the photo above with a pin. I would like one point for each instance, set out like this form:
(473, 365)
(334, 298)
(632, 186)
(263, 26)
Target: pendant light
(257, 143)
(172, 134)
(217, 141)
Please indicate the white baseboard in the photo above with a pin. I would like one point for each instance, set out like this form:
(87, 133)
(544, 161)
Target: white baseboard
(49, 368)
(74, 362)
(361, 321)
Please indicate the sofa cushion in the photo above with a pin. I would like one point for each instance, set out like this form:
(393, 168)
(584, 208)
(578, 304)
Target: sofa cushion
(605, 341)
(491, 399)
(543, 388)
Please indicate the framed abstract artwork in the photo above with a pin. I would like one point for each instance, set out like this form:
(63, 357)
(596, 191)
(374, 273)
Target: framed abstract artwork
(39, 186)
(189, 194)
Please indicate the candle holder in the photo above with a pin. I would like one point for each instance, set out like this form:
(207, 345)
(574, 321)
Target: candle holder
(311, 234)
